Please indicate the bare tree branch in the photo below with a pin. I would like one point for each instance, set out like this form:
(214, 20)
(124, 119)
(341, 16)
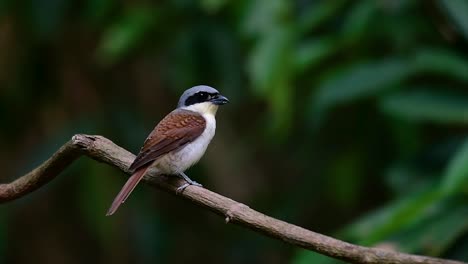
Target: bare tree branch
(104, 150)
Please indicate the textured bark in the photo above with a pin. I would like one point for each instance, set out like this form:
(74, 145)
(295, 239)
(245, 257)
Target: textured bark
(104, 150)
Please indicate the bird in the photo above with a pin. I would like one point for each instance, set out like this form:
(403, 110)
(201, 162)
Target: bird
(177, 142)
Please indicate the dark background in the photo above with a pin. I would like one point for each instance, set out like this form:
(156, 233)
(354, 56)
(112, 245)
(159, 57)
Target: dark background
(348, 118)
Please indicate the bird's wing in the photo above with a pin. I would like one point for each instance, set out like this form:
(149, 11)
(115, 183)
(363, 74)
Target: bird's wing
(177, 129)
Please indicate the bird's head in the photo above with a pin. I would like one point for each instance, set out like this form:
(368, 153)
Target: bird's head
(202, 99)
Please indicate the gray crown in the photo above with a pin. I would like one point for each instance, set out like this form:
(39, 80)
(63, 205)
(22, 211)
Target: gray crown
(194, 90)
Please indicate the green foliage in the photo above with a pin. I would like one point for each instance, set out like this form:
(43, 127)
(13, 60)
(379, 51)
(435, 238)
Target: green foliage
(360, 81)
(268, 59)
(125, 34)
(358, 21)
(457, 10)
(394, 217)
(213, 5)
(437, 232)
(425, 105)
(311, 53)
(456, 174)
(97, 11)
(318, 13)
(346, 117)
(307, 257)
(441, 62)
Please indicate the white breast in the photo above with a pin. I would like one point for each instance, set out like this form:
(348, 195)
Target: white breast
(191, 153)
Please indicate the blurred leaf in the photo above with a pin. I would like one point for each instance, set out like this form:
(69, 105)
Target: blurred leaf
(457, 10)
(271, 59)
(345, 178)
(213, 6)
(47, 16)
(183, 72)
(456, 175)
(440, 61)
(94, 199)
(399, 214)
(357, 20)
(281, 96)
(97, 10)
(353, 83)
(403, 178)
(311, 53)
(308, 257)
(263, 16)
(360, 81)
(317, 13)
(125, 34)
(407, 136)
(436, 233)
(336, 52)
(271, 69)
(228, 64)
(430, 106)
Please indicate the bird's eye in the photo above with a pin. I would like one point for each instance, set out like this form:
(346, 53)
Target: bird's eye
(198, 97)
(204, 97)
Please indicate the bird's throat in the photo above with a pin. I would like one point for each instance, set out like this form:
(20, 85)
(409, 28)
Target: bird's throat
(203, 108)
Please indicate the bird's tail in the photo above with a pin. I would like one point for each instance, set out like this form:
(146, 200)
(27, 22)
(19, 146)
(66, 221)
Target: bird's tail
(127, 189)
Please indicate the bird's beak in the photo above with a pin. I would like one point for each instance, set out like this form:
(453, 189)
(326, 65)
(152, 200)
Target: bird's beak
(219, 100)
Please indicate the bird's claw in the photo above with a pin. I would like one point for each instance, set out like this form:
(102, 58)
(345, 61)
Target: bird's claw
(180, 189)
(194, 183)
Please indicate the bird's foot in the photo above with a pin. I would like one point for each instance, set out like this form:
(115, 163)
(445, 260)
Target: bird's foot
(188, 183)
(180, 189)
(194, 183)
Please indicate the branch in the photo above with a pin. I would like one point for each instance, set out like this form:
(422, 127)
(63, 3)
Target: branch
(104, 150)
